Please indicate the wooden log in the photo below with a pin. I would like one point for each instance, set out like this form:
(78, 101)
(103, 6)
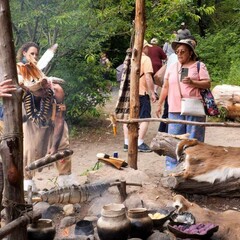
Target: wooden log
(165, 144)
(81, 193)
(12, 140)
(228, 97)
(21, 221)
(228, 188)
(48, 159)
(134, 83)
(74, 194)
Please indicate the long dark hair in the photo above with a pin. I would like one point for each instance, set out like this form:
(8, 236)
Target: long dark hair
(24, 48)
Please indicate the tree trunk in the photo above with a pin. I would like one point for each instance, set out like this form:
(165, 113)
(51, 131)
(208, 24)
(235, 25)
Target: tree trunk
(134, 83)
(12, 140)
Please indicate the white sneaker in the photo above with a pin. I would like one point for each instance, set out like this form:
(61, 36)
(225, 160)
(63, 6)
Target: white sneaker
(66, 180)
(29, 182)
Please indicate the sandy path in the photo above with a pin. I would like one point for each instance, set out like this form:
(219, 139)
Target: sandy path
(86, 148)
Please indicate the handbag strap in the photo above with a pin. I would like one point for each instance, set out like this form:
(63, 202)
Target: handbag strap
(198, 66)
(198, 69)
(179, 87)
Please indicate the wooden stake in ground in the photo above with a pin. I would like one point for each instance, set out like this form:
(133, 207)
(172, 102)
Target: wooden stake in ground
(12, 139)
(134, 83)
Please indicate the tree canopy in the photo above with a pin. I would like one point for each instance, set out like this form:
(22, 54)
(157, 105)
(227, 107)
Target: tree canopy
(84, 29)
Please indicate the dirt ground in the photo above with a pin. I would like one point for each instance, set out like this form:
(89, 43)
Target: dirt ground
(98, 138)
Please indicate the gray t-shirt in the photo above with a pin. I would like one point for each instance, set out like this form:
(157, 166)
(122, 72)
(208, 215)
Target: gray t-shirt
(183, 33)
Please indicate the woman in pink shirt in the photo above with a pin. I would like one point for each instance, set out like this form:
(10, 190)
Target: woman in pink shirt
(190, 88)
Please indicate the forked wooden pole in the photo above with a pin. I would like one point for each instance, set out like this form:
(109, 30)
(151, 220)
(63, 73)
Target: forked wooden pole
(134, 83)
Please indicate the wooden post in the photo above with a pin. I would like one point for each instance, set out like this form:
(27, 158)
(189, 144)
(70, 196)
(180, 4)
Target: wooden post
(134, 83)
(27, 218)
(12, 140)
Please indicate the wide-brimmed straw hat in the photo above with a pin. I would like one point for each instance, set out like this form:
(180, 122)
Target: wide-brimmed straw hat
(190, 42)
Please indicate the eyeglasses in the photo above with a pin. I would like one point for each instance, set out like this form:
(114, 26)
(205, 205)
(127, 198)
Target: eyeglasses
(180, 51)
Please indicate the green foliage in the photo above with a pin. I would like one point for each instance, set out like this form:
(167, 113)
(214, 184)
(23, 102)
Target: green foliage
(164, 17)
(82, 29)
(220, 48)
(96, 167)
(220, 53)
(234, 72)
(85, 28)
(85, 88)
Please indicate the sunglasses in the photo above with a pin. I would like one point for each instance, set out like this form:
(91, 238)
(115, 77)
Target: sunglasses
(180, 51)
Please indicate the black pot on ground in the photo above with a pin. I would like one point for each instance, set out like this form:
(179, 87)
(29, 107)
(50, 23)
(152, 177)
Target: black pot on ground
(141, 223)
(84, 227)
(42, 229)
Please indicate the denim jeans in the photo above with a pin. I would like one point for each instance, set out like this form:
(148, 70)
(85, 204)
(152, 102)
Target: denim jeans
(197, 132)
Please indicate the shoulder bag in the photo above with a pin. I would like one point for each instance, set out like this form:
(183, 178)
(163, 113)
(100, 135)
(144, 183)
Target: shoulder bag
(210, 106)
(191, 106)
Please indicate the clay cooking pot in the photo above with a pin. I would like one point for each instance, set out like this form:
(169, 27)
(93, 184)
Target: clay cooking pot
(141, 223)
(113, 223)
